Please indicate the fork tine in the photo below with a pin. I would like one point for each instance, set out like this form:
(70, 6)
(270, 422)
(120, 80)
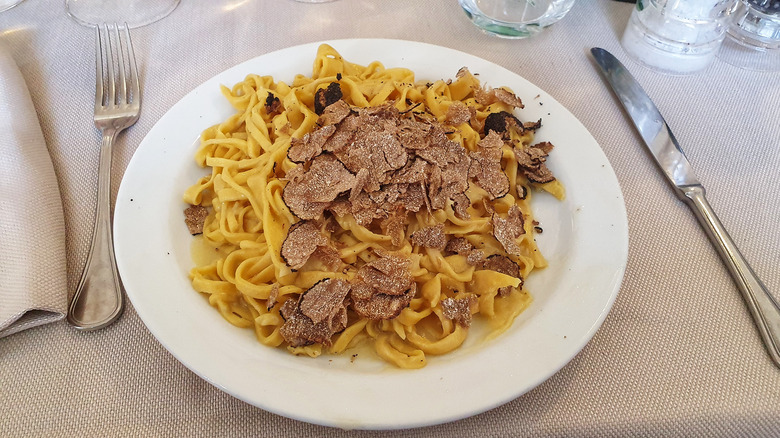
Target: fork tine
(98, 68)
(136, 85)
(122, 98)
(111, 71)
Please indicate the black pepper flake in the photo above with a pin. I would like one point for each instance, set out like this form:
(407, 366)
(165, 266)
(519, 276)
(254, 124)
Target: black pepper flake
(338, 76)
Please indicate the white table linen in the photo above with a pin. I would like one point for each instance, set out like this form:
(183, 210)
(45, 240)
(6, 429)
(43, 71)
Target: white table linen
(32, 247)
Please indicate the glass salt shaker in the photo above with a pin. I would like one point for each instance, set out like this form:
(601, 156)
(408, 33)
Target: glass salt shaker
(677, 36)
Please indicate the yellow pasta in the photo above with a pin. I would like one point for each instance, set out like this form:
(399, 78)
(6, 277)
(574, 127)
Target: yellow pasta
(248, 279)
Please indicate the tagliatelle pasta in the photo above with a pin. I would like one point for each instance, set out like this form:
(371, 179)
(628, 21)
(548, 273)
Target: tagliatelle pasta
(360, 205)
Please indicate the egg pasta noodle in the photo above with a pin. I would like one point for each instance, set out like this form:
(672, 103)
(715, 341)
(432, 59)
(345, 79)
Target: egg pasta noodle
(248, 280)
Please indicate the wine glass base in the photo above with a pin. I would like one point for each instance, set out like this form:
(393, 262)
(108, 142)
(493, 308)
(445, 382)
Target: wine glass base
(8, 4)
(135, 13)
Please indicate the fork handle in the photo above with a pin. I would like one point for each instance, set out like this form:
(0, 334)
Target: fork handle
(98, 298)
(763, 308)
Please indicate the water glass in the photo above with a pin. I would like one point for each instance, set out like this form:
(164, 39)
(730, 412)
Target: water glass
(515, 18)
(753, 39)
(677, 36)
(8, 4)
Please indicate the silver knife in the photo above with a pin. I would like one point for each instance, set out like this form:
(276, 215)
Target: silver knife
(669, 156)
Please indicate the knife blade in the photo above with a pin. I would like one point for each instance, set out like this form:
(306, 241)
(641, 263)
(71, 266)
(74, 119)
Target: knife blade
(669, 156)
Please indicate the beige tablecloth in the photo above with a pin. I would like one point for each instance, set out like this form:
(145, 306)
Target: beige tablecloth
(677, 356)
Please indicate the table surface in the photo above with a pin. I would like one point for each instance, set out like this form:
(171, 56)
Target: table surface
(677, 355)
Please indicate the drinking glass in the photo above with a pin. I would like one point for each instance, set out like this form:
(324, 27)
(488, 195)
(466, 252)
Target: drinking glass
(135, 13)
(8, 4)
(515, 18)
(677, 36)
(753, 39)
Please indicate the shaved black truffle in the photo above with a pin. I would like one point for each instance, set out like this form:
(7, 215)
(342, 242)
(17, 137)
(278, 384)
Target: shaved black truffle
(505, 265)
(500, 122)
(326, 96)
(272, 104)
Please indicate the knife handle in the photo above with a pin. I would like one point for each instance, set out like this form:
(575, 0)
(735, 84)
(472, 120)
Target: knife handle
(763, 308)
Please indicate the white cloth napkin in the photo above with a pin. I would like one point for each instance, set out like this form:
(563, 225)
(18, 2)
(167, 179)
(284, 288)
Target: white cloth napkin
(33, 276)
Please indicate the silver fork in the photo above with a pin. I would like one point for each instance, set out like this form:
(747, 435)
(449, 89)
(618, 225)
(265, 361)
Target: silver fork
(98, 299)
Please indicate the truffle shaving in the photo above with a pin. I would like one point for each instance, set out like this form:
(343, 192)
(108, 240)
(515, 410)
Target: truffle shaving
(334, 113)
(378, 152)
(486, 96)
(459, 245)
(195, 218)
(441, 151)
(303, 239)
(383, 287)
(430, 237)
(382, 306)
(413, 199)
(458, 113)
(532, 162)
(509, 229)
(323, 300)
(310, 195)
(486, 166)
(458, 310)
(317, 315)
(324, 97)
(273, 296)
(532, 126)
(272, 104)
(414, 171)
(460, 205)
(413, 134)
(508, 98)
(344, 134)
(389, 274)
(500, 122)
(394, 224)
(505, 265)
(310, 146)
(329, 256)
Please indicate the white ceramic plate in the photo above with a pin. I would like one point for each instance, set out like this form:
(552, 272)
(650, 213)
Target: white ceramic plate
(585, 239)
